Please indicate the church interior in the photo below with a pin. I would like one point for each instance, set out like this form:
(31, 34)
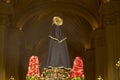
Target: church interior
(92, 28)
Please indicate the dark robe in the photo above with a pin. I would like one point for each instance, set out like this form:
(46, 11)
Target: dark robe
(58, 52)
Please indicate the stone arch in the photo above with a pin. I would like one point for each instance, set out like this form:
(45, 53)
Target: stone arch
(79, 10)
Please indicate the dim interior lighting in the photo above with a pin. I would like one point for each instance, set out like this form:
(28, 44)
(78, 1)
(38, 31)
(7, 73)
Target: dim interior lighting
(7, 1)
(106, 1)
(20, 28)
(118, 63)
(99, 78)
(94, 29)
(118, 68)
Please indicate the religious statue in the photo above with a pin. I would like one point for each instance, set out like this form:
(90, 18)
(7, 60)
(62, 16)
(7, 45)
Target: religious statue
(58, 52)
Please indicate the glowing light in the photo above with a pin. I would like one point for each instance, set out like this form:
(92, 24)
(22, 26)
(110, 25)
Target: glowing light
(118, 63)
(12, 78)
(57, 20)
(7, 1)
(105, 1)
(20, 28)
(99, 78)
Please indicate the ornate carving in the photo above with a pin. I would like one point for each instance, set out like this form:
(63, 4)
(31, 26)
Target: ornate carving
(111, 12)
(111, 19)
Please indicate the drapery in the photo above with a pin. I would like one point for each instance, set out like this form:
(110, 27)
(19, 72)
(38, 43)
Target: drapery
(58, 51)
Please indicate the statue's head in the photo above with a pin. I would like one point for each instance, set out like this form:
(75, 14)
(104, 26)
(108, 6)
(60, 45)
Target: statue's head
(58, 21)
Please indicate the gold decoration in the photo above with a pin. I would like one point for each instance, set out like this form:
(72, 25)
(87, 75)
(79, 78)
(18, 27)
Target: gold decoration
(59, 41)
(12, 78)
(118, 63)
(106, 1)
(100, 78)
(57, 21)
(7, 1)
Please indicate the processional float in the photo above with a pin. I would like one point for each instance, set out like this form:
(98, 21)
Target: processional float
(58, 62)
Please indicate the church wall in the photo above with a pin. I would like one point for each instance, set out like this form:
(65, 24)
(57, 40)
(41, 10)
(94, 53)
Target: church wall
(111, 22)
(4, 23)
(8, 62)
(100, 51)
(3, 32)
(13, 53)
(89, 64)
(113, 43)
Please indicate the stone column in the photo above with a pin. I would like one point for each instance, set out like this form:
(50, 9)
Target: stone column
(6, 18)
(111, 22)
(3, 34)
(13, 53)
(89, 64)
(100, 50)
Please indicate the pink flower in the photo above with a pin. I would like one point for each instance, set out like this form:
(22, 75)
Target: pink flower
(33, 68)
(78, 62)
(77, 70)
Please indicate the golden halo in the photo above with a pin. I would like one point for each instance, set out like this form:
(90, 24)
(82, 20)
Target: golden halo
(57, 20)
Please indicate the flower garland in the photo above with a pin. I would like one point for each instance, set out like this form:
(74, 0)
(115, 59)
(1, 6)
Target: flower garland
(55, 73)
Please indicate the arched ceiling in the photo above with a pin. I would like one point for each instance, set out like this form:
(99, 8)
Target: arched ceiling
(89, 9)
(80, 18)
(76, 29)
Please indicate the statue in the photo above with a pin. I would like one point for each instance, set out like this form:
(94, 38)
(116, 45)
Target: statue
(58, 52)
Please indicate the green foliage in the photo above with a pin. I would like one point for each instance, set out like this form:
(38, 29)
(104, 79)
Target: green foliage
(32, 78)
(55, 73)
(77, 78)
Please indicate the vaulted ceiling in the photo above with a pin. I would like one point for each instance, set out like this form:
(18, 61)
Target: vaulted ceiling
(34, 18)
(89, 9)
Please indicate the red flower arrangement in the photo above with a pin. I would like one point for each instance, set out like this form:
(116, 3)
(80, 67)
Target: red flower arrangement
(77, 70)
(33, 69)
